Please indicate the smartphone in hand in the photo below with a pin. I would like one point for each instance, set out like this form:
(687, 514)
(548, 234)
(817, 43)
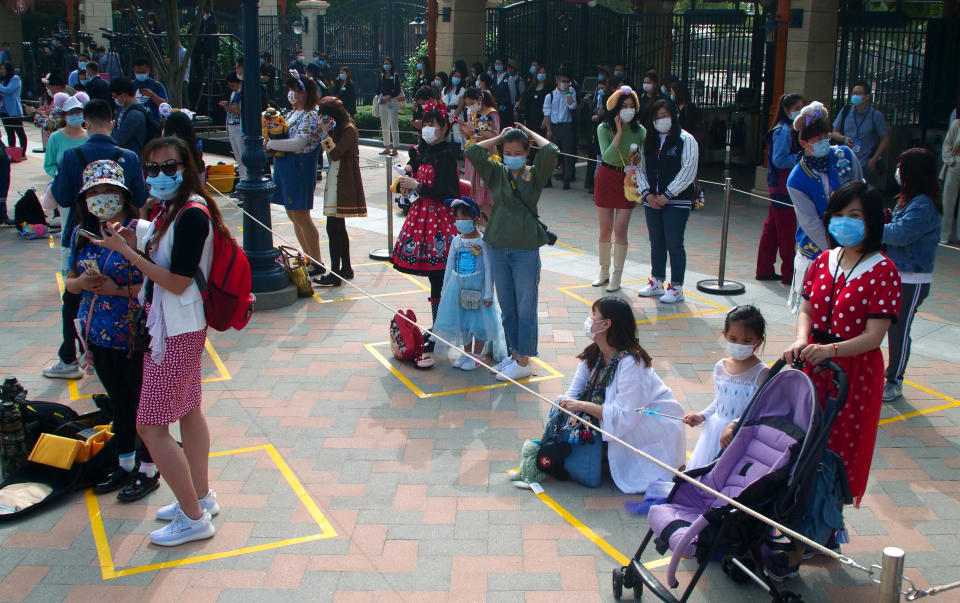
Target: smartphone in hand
(86, 233)
(90, 266)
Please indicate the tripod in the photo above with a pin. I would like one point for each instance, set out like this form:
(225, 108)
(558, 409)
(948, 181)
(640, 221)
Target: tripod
(210, 88)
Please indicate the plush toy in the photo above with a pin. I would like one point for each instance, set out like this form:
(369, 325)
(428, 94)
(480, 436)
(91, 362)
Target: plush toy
(631, 186)
(274, 127)
(33, 231)
(529, 472)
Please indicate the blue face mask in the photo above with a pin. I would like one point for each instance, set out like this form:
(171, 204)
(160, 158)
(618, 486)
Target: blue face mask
(142, 77)
(794, 115)
(455, 81)
(343, 76)
(387, 67)
(847, 231)
(498, 68)
(164, 187)
(533, 69)
(599, 77)
(490, 73)
(514, 162)
(619, 73)
(821, 148)
(856, 99)
(673, 97)
(465, 226)
(75, 120)
(541, 77)
(420, 66)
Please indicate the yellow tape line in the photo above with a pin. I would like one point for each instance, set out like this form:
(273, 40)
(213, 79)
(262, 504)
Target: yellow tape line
(952, 402)
(717, 307)
(109, 572)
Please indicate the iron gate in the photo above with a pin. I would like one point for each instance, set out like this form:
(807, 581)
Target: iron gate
(361, 33)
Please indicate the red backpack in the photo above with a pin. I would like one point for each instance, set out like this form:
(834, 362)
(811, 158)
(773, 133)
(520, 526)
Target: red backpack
(227, 300)
(406, 340)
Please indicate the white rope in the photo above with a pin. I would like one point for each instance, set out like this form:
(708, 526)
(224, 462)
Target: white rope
(609, 436)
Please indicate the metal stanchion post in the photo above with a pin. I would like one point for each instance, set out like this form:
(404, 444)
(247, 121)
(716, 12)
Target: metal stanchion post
(891, 575)
(719, 286)
(384, 254)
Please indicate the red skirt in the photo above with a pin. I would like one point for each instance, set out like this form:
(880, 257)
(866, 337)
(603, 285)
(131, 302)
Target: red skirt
(172, 389)
(424, 239)
(608, 189)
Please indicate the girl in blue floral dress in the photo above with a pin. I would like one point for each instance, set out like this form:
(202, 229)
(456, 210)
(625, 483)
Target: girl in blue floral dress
(109, 285)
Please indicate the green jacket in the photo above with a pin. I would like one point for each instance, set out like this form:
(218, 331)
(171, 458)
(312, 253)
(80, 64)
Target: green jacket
(618, 156)
(513, 221)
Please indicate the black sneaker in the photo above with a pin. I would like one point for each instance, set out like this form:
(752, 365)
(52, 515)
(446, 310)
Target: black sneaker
(347, 274)
(315, 270)
(117, 479)
(139, 487)
(428, 344)
(328, 280)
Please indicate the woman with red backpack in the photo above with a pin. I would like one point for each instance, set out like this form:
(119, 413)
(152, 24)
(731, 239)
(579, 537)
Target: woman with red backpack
(176, 245)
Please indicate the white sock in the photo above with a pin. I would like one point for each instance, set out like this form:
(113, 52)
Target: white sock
(148, 469)
(128, 461)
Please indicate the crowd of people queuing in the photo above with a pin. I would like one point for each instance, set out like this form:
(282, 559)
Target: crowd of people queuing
(138, 225)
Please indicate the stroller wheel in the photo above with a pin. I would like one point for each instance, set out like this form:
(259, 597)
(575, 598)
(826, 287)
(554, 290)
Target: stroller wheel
(617, 583)
(629, 576)
(736, 574)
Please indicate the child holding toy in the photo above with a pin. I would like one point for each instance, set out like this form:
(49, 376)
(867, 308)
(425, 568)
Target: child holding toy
(736, 379)
(467, 310)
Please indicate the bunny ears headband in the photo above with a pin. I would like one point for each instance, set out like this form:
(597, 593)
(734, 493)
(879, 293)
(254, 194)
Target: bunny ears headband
(815, 111)
(615, 97)
(296, 75)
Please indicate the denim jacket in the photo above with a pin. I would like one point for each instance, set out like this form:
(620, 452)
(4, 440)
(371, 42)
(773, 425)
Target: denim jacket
(912, 235)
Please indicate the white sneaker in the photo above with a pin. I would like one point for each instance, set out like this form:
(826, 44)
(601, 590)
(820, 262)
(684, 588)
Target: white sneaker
(654, 288)
(892, 390)
(61, 370)
(672, 295)
(461, 359)
(183, 529)
(503, 364)
(513, 475)
(470, 364)
(208, 503)
(516, 372)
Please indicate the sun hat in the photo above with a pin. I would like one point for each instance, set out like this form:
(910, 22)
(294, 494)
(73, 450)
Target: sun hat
(102, 171)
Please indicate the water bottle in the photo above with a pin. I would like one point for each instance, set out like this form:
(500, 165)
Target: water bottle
(13, 449)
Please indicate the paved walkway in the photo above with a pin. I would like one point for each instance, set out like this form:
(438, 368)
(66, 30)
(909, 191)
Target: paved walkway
(345, 477)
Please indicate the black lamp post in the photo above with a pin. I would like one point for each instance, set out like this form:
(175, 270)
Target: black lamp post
(271, 284)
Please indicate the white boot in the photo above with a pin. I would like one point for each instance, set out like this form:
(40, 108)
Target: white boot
(603, 255)
(619, 257)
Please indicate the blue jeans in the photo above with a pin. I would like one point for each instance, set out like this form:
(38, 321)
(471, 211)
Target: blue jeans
(516, 275)
(666, 227)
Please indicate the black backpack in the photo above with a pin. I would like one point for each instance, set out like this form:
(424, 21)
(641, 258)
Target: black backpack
(153, 126)
(28, 210)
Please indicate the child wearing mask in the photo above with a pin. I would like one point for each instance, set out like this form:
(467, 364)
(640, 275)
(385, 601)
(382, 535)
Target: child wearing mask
(467, 309)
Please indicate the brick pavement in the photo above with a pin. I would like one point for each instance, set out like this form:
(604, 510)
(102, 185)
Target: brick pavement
(384, 491)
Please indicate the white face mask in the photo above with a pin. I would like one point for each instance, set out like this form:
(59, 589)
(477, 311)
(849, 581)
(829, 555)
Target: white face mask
(663, 124)
(627, 115)
(429, 134)
(472, 108)
(588, 328)
(740, 351)
(291, 97)
(896, 176)
(647, 87)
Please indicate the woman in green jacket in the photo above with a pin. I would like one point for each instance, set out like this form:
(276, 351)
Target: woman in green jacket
(514, 236)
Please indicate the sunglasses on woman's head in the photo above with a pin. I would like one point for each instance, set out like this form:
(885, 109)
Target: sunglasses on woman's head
(168, 167)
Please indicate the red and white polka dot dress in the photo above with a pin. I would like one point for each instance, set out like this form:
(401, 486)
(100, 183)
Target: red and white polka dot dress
(847, 302)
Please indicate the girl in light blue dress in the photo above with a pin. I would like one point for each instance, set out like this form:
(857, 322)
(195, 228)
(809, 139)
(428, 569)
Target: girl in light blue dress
(468, 314)
(736, 379)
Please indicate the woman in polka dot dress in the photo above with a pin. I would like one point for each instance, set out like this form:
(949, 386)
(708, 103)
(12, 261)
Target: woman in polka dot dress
(851, 297)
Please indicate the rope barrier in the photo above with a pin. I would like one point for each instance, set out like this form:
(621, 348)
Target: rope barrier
(843, 559)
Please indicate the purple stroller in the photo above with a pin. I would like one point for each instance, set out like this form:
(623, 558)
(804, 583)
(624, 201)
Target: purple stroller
(769, 467)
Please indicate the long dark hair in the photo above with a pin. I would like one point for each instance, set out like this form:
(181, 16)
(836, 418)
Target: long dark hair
(309, 87)
(918, 176)
(622, 334)
(191, 187)
(8, 72)
(872, 202)
(611, 116)
(180, 125)
(90, 222)
(652, 143)
(333, 106)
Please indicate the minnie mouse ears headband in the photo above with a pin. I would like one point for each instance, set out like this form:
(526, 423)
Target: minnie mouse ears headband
(813, 112)
(296, 75)
(439, 108)
(615, 97)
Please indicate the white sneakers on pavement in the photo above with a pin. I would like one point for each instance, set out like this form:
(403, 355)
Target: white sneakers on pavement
(654, 288)
(208, 503)
(182, 529)
(672, 295)
(515, 371)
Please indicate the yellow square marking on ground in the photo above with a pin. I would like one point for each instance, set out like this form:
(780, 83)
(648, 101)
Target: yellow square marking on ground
(103, 546)
(716, 307)
(423, 287)
(371, 347)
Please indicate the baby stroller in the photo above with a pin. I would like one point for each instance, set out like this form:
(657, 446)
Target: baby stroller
(770, 466)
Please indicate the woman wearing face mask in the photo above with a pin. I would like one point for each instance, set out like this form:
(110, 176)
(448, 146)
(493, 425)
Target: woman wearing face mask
(343, 192)
(821, 170)
(69, 136)
(482, 123)
(175, 246)
(388, 91)
(424, 75)
(911, 238)
(11, 109)
(109, 285)
(295, 173)
(613, 380)
(666, 177)
(780, 227)
(688, 114)
(532, 105)
(851, 295)
(346, 91)
(650, 95)
(452, 96)
(515, 235)
(424, 239)
(598, 109)
(620, 136)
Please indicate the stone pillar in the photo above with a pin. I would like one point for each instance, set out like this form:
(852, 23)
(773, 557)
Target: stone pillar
(464, 35)
(95, 14)
(310, 10)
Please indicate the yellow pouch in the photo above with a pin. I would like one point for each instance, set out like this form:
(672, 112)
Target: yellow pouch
(55, 451)
(92, 445)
